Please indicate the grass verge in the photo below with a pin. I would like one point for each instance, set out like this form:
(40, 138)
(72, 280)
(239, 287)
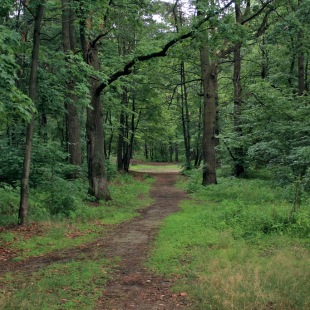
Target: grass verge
(71, 285)
(236, 246)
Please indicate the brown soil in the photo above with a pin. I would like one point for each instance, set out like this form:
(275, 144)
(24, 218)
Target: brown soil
(132, 285)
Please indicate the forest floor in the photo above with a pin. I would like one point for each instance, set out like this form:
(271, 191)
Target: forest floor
(131, 284)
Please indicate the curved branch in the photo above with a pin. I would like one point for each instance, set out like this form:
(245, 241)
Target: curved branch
(162, 53)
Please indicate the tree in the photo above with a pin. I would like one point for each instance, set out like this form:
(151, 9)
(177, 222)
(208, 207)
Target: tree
(72, 116)
(23, 209)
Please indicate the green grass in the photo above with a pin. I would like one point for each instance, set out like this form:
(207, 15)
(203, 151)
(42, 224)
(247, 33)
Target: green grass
(71, 285)
(155, 169)
(76, 284)
(236, 245)
(86, 223)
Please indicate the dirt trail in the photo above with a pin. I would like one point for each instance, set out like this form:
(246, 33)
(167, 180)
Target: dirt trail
(132, 286)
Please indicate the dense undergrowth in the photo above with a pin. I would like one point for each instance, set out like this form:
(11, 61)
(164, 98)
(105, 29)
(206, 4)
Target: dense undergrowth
(238, 245)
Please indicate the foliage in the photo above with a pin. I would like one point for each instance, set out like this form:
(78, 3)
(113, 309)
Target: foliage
(8, 204)
(13, 102)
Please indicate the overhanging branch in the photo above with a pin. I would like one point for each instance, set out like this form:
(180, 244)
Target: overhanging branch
(162, 53)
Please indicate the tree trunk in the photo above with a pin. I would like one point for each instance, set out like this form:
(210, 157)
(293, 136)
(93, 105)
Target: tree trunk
(146, 151)
(301, 69)
(72, 117)
(198, 142)
(97, 176)
(185, 118)
(239, 154)
(209, 80)
(176, 158)
(24, 196)
(301, 62)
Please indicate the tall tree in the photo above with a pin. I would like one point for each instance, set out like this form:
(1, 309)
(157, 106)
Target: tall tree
(209, 72)
(72, 116)
(24, 199)
(97, 175)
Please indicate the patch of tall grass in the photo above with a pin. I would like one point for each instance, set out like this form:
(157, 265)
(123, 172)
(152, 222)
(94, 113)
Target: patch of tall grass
(237, 245)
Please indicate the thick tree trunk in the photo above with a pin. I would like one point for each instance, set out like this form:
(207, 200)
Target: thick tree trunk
(24, 196)
(209, 80)
(72, 117)
(97, 176)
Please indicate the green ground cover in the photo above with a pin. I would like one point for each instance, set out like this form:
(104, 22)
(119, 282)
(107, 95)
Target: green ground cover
(85, 223)
(72, 285)
(237, 245)
(76, 284)
(145, 168)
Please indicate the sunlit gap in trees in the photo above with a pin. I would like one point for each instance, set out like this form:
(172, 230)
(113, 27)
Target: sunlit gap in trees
(184, 6)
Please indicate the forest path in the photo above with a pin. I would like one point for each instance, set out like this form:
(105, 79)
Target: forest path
(132, 285)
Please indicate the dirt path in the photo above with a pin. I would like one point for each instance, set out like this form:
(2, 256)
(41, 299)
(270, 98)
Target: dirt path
(132, 286)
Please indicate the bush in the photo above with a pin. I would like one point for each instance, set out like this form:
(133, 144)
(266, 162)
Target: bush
(9, 204)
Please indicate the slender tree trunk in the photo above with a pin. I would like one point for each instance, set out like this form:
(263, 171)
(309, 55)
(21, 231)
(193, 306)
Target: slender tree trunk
(146, 151)
(185, 117)
(121, 133)
(264, 65)
(198, 142)
(209, 80)
(301, 69)
(176, 148)
(301, 61)
(72, 117)
(24, 197)
(239, 154)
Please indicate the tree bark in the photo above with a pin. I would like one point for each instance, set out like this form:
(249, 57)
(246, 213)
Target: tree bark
(24, 196)
(209, 81)
(301, 62)
(121, 134)
(239, 168)
(72, 116)
(97, 175)
(185, 117)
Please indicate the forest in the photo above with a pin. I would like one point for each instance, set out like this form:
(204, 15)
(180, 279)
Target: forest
(109, 106)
